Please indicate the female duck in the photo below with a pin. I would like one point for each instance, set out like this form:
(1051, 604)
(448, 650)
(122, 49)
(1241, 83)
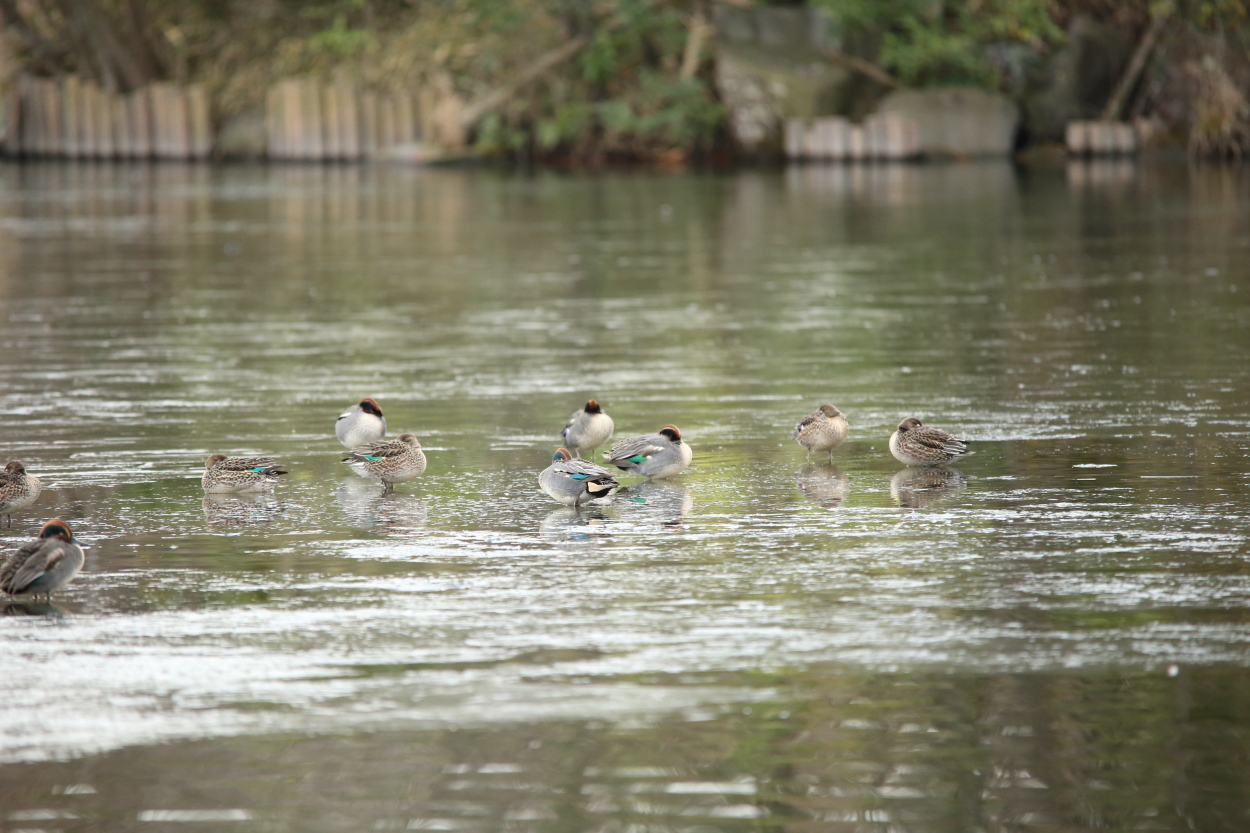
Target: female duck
(393, 461)
(587, 429)
(574, 482)
(361, 424)
(238, 474)
(656, 456)
(17, 489)
(917, 444)
(822, 430)
(44, 565)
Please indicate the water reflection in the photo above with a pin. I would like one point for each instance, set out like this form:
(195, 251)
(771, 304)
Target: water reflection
(32, 608)
(573, 524)
(823, 484)
(664, 502)
(916, 487)
(366, 504)
(240, 508)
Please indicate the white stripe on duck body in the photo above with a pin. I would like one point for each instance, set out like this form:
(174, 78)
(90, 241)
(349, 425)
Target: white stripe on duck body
(44, 565)
(917, 444)
(659, 455)
(392, 461)
(361, 424)
(587, 429)
(574, 482)
(239, 474)
(822, 430)
(18, 489)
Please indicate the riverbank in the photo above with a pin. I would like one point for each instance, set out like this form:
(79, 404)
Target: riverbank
(652, 81)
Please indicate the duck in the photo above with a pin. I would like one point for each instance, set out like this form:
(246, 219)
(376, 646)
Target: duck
(917, 444)
(393, 461)
(239, 474)
(44, 565)
(655, 456)
(824, 429)
(588, 428)
(574, 482)
(361, 424)
(17, 489)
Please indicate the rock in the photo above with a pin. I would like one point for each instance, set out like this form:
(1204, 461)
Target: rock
(242, 136)
(770, 68)
(956, 121)
(1075, 82)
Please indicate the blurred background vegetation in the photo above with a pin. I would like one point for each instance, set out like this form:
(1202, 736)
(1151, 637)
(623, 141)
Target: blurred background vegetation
(591, 80)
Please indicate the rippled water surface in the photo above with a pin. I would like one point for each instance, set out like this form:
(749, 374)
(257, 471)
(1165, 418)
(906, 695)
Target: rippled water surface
(1053, 636)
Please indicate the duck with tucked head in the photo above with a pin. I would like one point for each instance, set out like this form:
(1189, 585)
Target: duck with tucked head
(917, 444)
(44, 565)
(658, 455)
(587, 429)
(822, 430)
(574, 482)
(239, 474)
(361, 424)
(392, 461)
(17, 489)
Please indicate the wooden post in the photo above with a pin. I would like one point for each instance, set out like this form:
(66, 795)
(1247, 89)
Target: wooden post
(103, 117)
(368, 124)
(139, 117)
(71, 117)
(331, 123)
(311, 133)
(54, 137)
(349, 120)
(119, 126)
(199, 126)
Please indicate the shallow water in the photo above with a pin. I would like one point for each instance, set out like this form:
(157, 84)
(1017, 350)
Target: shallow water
(1054, 635)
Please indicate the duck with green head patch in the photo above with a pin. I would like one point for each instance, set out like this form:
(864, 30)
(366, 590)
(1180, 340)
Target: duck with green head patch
(44, 565)
(575, 482)
(659, 455)
(393, 461)
(239, 474)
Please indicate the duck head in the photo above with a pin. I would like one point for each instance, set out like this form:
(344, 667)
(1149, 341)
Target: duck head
(908, 424)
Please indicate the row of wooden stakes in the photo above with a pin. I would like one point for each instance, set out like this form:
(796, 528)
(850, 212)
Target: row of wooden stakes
(305, 119)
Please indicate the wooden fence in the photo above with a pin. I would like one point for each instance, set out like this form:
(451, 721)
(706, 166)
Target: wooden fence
(304, 120)
(885, 136)
(75, 119)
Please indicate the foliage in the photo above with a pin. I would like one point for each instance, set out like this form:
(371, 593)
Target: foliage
(924, 43)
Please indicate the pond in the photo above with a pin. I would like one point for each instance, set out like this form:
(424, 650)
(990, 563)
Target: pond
(1055, 634)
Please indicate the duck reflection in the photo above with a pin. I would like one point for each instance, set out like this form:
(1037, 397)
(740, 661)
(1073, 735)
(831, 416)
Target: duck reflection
(824, 485)
(655, 501)
(570, 524)
(240, 508)
(916, 487)
(32, 609)
(366, 503)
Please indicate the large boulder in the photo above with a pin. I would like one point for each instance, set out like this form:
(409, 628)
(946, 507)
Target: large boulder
(770, 67)
(956, 121)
